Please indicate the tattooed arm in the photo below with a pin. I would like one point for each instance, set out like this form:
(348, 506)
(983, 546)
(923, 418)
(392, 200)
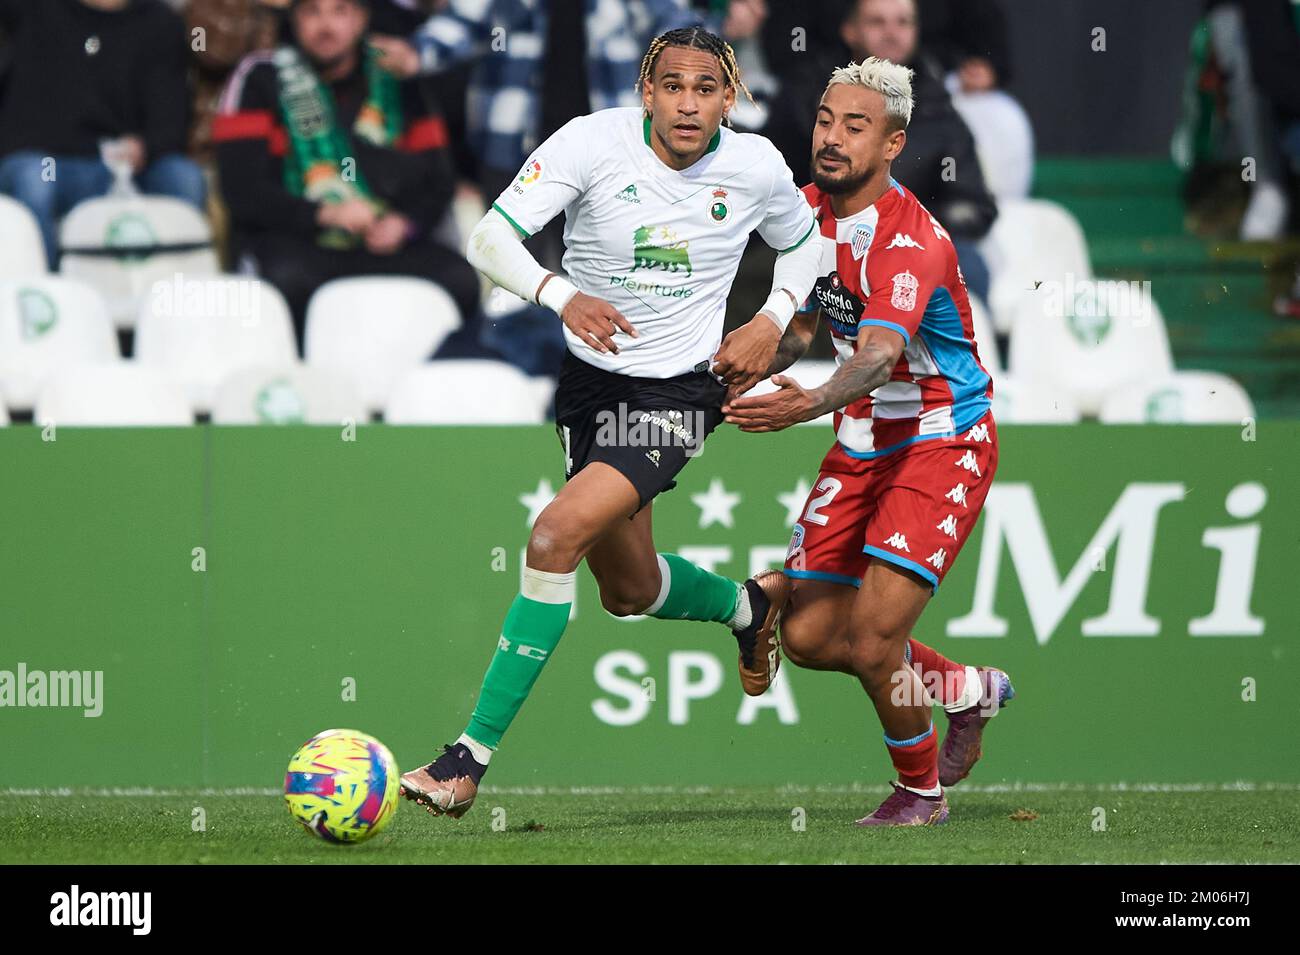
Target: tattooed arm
(795, 342)
(868, 369)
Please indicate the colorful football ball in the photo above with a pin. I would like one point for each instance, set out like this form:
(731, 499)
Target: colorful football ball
(342, 786)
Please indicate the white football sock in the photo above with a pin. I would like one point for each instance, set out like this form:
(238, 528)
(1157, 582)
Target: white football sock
(744, 614)
(971, 692)
(480, 752)
(665, 585)
(934, 793)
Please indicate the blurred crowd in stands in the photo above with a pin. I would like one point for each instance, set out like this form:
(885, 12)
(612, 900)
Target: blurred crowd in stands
(327, 139)
(1241, 122)
(250, 109)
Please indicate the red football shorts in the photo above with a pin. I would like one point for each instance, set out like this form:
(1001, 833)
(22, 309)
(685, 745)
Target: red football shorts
(913, 507)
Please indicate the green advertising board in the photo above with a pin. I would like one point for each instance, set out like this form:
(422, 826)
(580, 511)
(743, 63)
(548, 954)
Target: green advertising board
(236, 590)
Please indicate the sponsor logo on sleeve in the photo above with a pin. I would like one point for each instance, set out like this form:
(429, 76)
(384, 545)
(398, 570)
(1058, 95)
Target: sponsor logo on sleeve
(531, 172)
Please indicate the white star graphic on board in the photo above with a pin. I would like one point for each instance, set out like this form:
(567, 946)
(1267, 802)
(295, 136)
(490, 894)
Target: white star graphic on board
(537, 500)
(716, 504)
(793, 501)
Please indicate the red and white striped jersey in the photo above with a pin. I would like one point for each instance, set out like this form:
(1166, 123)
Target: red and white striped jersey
(893, 265)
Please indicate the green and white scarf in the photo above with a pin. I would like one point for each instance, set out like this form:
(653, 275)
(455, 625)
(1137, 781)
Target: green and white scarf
(320, 164)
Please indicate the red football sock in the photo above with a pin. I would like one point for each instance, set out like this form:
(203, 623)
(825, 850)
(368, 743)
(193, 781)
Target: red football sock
(943, 679)
(917, 759)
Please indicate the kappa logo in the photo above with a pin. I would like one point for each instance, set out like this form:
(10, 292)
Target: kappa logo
(903, 241)
(979, 432)
(958, 494)
(969, 462)
(629, 194)
(937, 559)
(904, 295)
(898, 541)
(949, 526)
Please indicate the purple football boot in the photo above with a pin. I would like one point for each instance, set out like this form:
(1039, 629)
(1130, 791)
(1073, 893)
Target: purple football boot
(962, 743)
(906, 808)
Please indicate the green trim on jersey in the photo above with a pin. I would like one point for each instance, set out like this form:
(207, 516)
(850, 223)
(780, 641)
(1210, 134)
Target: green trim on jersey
(713, 143)
(518, 228)
(811, 228)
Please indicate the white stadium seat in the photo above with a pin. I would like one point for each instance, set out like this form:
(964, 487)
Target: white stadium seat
(1015, 402)
(201, 331)
(1004, 140)
(1033, 241)
(111, 394)
(1184, 397)
(112, 222)
(287, 394)
(375, 329)
(46, 322)
(468, 391)
(1089, 356)
(22, 251)
(4, 416)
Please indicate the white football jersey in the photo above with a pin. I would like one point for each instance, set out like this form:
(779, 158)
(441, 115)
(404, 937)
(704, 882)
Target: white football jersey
(660, 245)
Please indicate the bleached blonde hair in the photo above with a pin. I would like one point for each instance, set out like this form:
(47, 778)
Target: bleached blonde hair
(891, 80)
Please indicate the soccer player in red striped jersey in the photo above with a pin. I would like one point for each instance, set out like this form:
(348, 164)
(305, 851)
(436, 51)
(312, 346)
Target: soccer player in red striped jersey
(916, 445)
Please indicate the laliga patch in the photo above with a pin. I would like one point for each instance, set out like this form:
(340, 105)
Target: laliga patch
(863, 233)
(531, 172)
(904, 295)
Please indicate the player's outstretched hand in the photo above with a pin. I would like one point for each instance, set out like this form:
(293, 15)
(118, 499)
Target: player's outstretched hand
(595, 322)
(746, 354)
(790, 404)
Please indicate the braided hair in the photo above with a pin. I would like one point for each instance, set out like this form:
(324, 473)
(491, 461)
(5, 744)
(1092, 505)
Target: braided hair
(696, 38)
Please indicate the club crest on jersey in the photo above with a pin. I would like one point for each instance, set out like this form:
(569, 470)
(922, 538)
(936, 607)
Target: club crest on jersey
(718, 208)
(903, 241)
(796, 539)
(658, 247)
(863, 233)
(904, 295)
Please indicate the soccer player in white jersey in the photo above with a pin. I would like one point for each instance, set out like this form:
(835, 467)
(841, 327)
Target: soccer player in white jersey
(659, 202)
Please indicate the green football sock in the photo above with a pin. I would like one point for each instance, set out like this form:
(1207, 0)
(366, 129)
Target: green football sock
(689, 592)
(532, 630)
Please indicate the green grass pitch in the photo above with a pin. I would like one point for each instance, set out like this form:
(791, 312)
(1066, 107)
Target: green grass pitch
(987, 825)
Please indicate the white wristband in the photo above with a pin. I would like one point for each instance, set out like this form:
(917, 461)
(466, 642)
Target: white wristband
(779, 307)
(556, 293)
